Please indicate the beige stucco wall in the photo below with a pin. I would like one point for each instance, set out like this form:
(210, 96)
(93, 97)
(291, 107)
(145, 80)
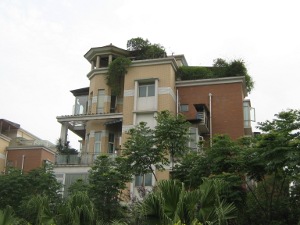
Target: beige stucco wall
(4, 142)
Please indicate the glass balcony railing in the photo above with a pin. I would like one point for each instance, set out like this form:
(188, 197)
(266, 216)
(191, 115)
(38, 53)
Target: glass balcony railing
(85, 159)
(19, 142)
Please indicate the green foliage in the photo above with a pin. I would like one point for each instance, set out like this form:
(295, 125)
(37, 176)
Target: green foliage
(224, 161)
(65, 148)
(171, 133)
(16, 187)
(273, 163)
(7, 216)
(116, 72)
(193, 73)
(37, 210)
(143, 49)
(78, 186)
(77, 209)
(170, 203)
(141, 152)
(107, 180)
(220, 68)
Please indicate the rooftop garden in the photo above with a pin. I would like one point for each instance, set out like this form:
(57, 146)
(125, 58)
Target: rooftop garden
(220, 68)
(142, 49)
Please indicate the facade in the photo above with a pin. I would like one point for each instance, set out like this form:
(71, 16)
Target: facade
(21, 149)
(213, 106)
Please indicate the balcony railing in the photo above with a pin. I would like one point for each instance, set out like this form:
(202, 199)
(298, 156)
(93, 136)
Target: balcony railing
(84, 159)
(21, 142)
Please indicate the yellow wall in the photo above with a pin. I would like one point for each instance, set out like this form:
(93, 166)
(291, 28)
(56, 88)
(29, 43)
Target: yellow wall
(3, 144)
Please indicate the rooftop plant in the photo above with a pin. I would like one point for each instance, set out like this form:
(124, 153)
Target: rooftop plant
(220, 68)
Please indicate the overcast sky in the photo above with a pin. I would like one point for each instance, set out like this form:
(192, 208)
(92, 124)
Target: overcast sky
(42, 43)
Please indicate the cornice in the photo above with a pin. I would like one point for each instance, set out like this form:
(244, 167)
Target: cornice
(158, 61)
(213, 81)
(87, 117)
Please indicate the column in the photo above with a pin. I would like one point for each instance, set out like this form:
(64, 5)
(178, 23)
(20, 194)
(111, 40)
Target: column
(109, 59)
(98, 62)
(92, 65)
(64, 132)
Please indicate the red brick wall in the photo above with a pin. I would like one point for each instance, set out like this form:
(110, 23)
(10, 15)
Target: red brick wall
(227, 106)
(33, 158)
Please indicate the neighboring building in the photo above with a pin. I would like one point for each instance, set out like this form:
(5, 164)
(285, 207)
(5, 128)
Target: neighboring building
(213, 106)
(21, 149)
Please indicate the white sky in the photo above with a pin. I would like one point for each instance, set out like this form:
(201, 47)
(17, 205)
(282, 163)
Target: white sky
(42, 43)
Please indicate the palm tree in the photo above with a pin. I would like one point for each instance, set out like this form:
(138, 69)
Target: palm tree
(170, 203)
(37, 210)
(78, 209)
(7, 216)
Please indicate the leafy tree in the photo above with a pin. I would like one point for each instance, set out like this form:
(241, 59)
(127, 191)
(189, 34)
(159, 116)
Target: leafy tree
(171, 133)
(78, 186)
(273, 163)
(141, 153)
(16, 187)
(143, 49)
(107, 180)
(224, 160)
(65, 148)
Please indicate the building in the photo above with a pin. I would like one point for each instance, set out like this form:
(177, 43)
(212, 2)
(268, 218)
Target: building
(100, 119)
(21, 149)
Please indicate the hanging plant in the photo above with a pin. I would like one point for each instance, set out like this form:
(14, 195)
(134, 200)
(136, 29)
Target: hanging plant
(116, 72)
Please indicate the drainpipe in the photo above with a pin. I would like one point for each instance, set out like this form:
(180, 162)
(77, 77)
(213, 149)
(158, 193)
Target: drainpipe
(23, 159)
(210, 119)
(5, 162)
(177, 102)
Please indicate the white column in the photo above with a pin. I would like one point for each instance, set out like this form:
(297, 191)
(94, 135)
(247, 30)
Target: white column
(109, 59)
(64, 132)
(98, 62)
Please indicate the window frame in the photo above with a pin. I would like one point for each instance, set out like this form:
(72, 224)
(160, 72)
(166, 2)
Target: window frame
(146, 86)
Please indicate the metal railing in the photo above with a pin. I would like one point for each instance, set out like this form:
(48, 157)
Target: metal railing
(80, 159)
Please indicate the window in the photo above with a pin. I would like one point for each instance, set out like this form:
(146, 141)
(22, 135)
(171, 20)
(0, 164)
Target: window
(143, 180)
(111, 142)
(184, 108)
(97, 143)
(193, 138)
(146, 90)
(81, 103)
(100, 101)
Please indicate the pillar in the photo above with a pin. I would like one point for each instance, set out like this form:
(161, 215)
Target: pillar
(64, 132)
(98, 62)
(92, 65)
(109, 59)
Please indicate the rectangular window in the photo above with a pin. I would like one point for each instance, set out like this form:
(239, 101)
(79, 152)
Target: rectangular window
(100, 101)
(143, 180)
(146, 90)
(184, 108)
(111, 143)
(81, 103)
(97, 144)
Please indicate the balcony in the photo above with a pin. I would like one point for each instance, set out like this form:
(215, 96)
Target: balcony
(84, 159)
(202, 118)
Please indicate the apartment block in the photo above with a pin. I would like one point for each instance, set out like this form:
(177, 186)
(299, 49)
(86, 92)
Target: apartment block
(100, 119)
(21, 149)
